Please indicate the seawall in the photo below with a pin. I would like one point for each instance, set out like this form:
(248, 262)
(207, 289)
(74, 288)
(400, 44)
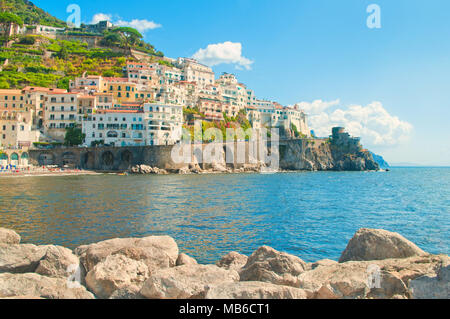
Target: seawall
(295, 154)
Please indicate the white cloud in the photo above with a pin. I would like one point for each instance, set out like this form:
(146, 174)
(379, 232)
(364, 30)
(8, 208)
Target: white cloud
(142, 25)
(223, 53)
(317, 106)
(372, 122)
(100, 17)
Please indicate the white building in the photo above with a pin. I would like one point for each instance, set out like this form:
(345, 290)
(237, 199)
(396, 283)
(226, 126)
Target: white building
(154, 124)
(273, 115)
(193, 71)
(115, 127)
(16, 130)
(233, 93)
(164, 123)
(60, 112)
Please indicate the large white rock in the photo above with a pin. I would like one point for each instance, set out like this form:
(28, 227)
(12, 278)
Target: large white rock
(255, 290)
(114, 273)
(155, 251)
(20, 258)
(59, 262)
(432, 286)
(184, 259)
(186, 281)
(269, 265)
(8, 236)
(349, 281)
(37, 286)
(379, 244)
(378, 279)
(323, 262)
(232, 260)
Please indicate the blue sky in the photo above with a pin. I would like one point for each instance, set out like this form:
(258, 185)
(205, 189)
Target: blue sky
(388, 85)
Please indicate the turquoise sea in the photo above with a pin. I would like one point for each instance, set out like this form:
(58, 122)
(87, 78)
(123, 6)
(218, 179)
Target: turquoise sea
(308, 214)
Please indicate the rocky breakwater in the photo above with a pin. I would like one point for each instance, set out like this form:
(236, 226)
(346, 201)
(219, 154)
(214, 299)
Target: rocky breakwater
(197, 169)
(376, 264)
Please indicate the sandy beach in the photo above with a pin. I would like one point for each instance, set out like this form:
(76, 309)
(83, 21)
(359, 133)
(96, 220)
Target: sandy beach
(35, 172)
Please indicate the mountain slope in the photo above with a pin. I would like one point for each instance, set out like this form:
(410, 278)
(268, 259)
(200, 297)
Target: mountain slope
(30, 13)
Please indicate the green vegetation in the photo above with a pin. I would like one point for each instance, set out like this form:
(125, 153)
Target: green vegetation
(97, 143)
(28, 65)
(46, 144)
(8, 19)
(237, 122)
(129, 36)
(30, 14)
(37, 60)
(74, 136)
(166, 63)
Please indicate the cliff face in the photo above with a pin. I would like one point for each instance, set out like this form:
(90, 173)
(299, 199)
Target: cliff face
(325, 155)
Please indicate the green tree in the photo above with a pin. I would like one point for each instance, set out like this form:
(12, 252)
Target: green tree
(111, 39)
(129, 35)
(7, 21)
(74, 136)
(63, 53)
(295, 130)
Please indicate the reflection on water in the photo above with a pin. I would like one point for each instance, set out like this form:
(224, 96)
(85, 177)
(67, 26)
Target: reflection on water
(311, 215)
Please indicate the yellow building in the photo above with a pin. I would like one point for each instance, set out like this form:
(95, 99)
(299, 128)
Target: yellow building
(122, 90)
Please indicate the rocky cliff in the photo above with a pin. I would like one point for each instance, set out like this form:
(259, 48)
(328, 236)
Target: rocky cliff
(339, 153)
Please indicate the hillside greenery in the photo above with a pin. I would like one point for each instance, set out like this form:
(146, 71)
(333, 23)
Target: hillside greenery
(37, 60)
(30, 14)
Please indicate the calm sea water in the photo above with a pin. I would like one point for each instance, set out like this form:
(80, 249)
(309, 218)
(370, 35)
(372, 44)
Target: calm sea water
(311, 215)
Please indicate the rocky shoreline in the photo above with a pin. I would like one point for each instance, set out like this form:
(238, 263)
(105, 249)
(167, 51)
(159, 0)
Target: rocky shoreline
(377, 264)
(196, 169)
(214, 169)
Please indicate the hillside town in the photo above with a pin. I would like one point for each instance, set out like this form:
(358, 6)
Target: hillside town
(149, 105)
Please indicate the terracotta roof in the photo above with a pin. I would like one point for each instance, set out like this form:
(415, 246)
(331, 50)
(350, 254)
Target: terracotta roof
(42, 89)
(116, 79)
(119, 111)
(62, 93)
(6, 91)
